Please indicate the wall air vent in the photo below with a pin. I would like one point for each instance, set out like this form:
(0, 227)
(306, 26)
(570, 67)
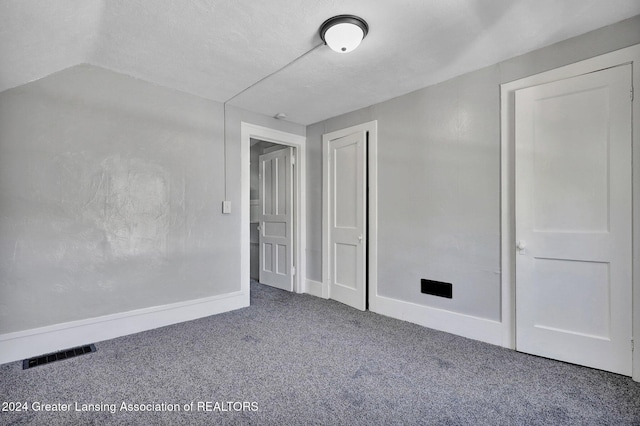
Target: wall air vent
(436, 288)
(57, 356)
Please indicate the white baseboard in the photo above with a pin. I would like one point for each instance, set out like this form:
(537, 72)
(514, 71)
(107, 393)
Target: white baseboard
(38, 341)
(313, 288)
(439, 319)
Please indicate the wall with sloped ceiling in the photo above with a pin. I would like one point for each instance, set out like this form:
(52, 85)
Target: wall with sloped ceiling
(110, 198)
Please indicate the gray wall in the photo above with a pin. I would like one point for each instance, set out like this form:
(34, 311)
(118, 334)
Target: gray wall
(439, 178)
(110, 197)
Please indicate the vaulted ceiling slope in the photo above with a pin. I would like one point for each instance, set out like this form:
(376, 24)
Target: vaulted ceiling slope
(217, 48)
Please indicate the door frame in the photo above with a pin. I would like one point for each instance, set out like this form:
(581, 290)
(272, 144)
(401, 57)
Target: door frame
(629, 55)
(371, 280)
(247, 132)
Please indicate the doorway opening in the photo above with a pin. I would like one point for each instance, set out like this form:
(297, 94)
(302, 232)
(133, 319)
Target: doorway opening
(281, 156)
(271, 218)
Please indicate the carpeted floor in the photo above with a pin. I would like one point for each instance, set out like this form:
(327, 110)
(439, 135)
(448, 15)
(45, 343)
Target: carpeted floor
(296, 359)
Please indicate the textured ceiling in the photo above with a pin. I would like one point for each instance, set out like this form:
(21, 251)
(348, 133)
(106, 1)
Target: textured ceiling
(218, 48)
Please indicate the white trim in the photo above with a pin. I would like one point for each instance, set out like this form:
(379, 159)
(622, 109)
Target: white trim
(248, 131)
(373, 214)
(314, 288)
(439, 319)
(372, 166)
(507, 215)
(29, 343)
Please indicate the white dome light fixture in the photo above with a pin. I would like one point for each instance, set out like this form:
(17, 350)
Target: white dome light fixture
(343, 33)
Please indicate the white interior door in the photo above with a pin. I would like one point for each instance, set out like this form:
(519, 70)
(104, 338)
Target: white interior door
(573, 220)
(347, 219)
(276, 219)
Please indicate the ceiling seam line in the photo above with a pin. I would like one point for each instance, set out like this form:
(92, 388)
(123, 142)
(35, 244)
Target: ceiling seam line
(274, 72)
(224, 108)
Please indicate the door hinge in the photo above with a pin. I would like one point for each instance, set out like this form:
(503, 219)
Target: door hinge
(293, 270)
(293, 160)
(632, 93)
(632, 345)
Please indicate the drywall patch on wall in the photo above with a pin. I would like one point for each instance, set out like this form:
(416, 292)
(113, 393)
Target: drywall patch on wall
(129, 199)
(125, 203)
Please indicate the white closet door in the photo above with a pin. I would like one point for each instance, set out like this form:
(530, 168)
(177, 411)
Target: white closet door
(573, 220)
(347, 219)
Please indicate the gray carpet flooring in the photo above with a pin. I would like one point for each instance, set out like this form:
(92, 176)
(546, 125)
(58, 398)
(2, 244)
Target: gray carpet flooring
(295, 359)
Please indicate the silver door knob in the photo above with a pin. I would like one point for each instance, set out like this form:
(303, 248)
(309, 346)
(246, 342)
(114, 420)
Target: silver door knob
(521, 246)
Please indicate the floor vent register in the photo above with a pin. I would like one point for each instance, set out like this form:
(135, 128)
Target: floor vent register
(57, 356)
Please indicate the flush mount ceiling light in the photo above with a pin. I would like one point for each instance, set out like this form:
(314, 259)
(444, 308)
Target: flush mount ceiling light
(343, 33)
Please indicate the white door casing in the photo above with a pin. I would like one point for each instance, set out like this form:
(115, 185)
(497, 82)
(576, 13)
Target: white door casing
(250, 131)
(276, 219)
(347, 214)
(573, 220)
